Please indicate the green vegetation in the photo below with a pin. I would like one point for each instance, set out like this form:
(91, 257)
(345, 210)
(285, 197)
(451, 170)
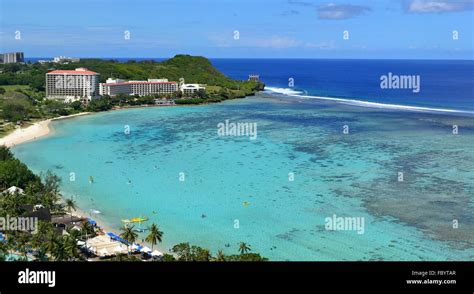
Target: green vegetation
(186, 252)
(154, 236)
(129, 234)
(22, 93)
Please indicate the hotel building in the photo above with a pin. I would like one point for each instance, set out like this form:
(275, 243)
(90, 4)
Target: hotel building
(12, 57)
(80, 84)
(112, 87)
(189, 89)
(255, 78)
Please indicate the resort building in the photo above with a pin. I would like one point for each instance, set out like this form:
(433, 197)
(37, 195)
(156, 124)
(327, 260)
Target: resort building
(80, 84)
(61, 59)
(189, 89)
(13, 57)
(254, 78)
(113, 87)
(64, 59)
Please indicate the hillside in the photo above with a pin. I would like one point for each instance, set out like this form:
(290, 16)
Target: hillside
(194, 69)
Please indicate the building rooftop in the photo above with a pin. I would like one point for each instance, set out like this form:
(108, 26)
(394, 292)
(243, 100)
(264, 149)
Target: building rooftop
(136, 83)
(77, 71)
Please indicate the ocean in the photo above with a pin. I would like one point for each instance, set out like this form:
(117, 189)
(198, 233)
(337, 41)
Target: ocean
(444, 84)
(387, 157)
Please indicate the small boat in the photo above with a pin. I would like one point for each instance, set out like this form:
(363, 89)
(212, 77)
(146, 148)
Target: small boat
(135, 220)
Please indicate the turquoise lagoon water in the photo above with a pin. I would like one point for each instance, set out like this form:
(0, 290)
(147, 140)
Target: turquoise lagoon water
(235, 179)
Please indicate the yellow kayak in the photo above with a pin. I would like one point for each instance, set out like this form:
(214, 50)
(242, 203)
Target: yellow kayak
(135, 220)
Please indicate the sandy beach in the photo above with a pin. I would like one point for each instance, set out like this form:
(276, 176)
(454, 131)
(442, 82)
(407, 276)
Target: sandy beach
(33, 132)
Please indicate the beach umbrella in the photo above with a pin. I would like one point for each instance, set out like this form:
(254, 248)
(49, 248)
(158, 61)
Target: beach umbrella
(145, 250)
(136, 247)
(156, 253)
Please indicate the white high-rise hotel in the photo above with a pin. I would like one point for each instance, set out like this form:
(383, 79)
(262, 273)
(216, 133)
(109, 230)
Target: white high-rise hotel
(114, 87)
(80, 84)
(83, 85)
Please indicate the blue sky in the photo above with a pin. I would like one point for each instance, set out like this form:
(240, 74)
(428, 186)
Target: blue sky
(266, 28)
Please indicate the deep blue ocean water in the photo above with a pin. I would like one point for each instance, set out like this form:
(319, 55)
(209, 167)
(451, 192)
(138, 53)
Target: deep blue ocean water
(443, 84)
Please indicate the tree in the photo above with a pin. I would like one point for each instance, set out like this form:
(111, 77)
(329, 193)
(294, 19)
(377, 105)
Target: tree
(21, 241)
(5, 153)
(129, 234)
(52, 182)
(15, 110)
(58, 250)
(183, 251)
(70, 247)
(51, 193)
(246, 257)
(70, 205)
(76, 105)
(220, 256)
(154, 236)
(3, 251)
(200, 254)
(15, 173)
(244, 248)
(87, 230)
(168, 257)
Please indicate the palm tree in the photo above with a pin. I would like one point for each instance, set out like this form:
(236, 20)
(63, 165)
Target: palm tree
(129, 234)
(155, 235)
(87, 230)
(244, 248)
(3, 251)
(50, 241)
(22, 245)
(70, 247)
(220, 256)
(59, 250)
(70, 206)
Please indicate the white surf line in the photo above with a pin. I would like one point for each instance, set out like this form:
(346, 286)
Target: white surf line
(361, 103)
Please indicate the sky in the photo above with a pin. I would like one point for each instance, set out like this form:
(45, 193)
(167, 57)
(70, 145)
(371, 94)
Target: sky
(383, 29)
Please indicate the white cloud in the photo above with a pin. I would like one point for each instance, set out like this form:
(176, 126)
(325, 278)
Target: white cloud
(438, 6)
(276, 42)
(340, 11)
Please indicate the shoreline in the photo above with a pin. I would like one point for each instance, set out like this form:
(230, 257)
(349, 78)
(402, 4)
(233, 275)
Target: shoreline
(42, 128)
(34, 131)
(107, 227)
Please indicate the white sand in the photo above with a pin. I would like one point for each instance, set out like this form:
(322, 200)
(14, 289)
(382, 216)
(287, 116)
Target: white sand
(33, 132)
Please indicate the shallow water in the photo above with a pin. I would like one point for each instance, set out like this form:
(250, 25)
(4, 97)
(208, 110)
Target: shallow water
(231, 180)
